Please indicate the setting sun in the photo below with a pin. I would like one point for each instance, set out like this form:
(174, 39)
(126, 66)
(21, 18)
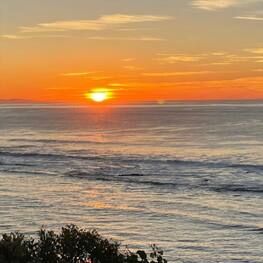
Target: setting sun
(98, 95)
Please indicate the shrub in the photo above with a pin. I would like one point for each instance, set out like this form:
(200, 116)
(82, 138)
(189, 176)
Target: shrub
(71, 245)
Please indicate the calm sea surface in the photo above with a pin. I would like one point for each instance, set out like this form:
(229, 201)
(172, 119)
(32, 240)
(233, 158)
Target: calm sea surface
(187, 176)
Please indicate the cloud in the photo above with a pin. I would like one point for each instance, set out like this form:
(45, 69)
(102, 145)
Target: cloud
(130, 67)
(179, 58)
(124, 19)
(213, 58)
(249, 84)
(98, 78)
(19, 37)
(258, 57)
(135, 29)
(213, 5)
(173, 74)
(77, 74)
(128, 59)
(102, 23)
(128, 38)
(93, 75)
(255, 50)
(117, 85)
(13, 37)
(228, 58)
(253, 18)
(60, 88)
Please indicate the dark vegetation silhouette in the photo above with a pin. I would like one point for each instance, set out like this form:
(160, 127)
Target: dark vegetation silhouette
(71, 245)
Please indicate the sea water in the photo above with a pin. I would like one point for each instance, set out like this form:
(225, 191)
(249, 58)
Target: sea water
(185, 176)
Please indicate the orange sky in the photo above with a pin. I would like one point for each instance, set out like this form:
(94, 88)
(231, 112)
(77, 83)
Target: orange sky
(140, 51)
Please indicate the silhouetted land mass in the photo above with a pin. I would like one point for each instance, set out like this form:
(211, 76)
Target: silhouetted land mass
(71, 245)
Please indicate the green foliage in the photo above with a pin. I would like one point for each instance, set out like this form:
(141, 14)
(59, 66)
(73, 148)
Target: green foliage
(71, 245)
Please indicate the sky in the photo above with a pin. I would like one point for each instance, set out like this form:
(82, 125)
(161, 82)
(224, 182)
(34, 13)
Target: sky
(137, 50)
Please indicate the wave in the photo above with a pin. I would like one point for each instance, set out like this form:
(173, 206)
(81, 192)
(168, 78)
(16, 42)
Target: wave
(134, 159)
(257, 229)
(218, 164)
(229, 225)
(57, 141)
(129, 178)
(26, 172)
(238, 188)
(18, 164)
(149, 179)
(47, 155)
(132, 178)
(131, 174)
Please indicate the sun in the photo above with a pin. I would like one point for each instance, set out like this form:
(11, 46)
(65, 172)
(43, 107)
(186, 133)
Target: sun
(98, 95)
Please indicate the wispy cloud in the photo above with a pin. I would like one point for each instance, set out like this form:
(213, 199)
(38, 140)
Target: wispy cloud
(98, 78)
(77, 74)
(127, 38)
(102, 23)
(135, 29)
(250, 85)
(60, 88)
(128, 59)
(258, 54)
(255, 50)
(220, 53)
(14, 37)
(133, 68)
(252, 18)
(173, 74)
(93, 75)
(224, 58)
(213, 5)
(19, 37)
(171, 59)
(217, 58)
(117, 85)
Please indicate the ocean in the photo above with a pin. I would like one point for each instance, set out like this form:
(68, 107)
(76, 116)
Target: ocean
(186, 176)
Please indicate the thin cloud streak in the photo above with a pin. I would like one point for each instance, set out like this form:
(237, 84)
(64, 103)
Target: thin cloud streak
(173, 74)
(253, 18)
(255, 50)
(128, 38)
(117, 85)
(179, 58)
(21, 37)
(213, 5)
(14, 37)
(102, 23)
(77, 74)
(132, 68)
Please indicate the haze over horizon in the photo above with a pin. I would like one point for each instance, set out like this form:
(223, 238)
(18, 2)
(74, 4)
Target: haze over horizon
(135, 50)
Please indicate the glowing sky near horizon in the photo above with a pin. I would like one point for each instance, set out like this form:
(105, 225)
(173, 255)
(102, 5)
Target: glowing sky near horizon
(143, 50)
